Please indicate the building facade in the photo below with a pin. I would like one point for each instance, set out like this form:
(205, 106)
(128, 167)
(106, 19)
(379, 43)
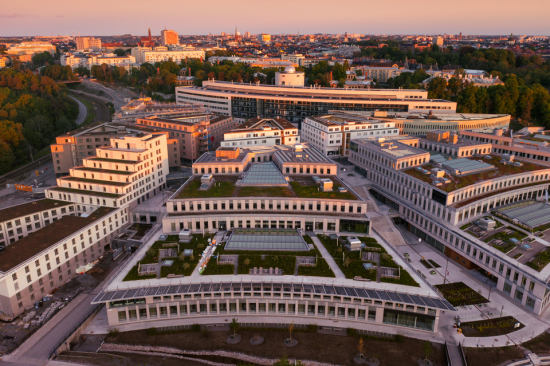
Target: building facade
(262, 132)
(169, 37)
(88, 43)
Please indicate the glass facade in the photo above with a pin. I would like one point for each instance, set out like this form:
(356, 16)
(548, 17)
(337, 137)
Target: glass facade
(411, 320)
(353, 226)
(296, 111)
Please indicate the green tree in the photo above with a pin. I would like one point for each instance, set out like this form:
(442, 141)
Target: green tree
(285, 362)
(234, 326)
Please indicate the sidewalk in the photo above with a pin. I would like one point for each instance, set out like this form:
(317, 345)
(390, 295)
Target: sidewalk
(325, 254)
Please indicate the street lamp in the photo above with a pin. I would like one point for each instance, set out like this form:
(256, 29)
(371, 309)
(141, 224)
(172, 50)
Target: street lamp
(501, 311)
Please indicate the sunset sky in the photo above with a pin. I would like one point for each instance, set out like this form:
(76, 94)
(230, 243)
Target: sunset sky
(114, 17)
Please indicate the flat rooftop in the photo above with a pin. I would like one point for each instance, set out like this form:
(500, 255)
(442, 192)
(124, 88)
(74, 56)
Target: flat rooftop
(530, 213)
(300, 186)
(258, 123)
(25, 209)
(266, 239)
(397, 150)
(458, 182)
(444, 117)
(34, 243)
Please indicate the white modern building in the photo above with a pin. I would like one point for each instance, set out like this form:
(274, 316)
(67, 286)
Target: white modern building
(31, 48)
(88, 60)
(262, 132)
(159, 54)
(244, 101)
(332, 133)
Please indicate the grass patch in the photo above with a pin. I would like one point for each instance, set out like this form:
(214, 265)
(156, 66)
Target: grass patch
(285, 263)
(264, 192)
(490, 327)
(305, 191)
(459, 294)
(219, 189)
(308, 239)
(179, 267)
(406, 279)
(90, 116)
(540, 261)
(218, 269)
(322, 269)
(501, 235)
(517, 256)
(133, 275)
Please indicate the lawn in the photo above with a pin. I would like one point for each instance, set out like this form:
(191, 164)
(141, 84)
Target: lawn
(322, 269)
(459, 294)
(312, 191)
(133, 275)
(308, 239)
(286, 263)
(219, 189)
(264, 192)
(218, 269)
(490, 327)
(406, 279)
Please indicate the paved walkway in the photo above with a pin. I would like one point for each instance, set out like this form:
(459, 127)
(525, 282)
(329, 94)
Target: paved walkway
(325, 254)
(82, 111)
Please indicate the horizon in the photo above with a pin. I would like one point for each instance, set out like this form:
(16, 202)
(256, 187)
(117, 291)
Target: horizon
(123, 17)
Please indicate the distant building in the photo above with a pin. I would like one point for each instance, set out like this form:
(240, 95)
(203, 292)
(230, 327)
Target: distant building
(438, 41)
(295, 58)
(247, 34)
(159, 54)
(168, 37)
(290, 77)
(348, 50)
(88, 60)
(88, 43)
(147, 41)
(264, 37)
(31, 48)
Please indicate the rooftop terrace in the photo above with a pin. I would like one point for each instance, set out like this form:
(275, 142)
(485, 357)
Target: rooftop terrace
(301, 186)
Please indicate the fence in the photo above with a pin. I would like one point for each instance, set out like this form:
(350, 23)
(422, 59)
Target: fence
(388, 272)
(147, 269)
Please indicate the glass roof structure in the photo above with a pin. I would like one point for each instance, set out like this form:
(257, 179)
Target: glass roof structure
(365, 293)
(266, 239)
(530, 213)
(462, 165)
(264, 174)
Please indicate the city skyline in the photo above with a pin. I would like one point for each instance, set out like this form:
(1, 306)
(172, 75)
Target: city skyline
(124, 18)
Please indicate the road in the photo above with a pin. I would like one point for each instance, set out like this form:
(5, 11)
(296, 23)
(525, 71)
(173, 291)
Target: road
(11, 197)
(82, 111)
(37, 351)
(117, 95)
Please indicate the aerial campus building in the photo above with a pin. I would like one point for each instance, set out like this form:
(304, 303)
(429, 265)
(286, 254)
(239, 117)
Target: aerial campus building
(447, 191)
(53, 239)
(267, 198)
(291, 100)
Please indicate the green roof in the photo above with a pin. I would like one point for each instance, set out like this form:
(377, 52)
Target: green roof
(91, 193)
(116, 161)
(86, 180)
(88, 169)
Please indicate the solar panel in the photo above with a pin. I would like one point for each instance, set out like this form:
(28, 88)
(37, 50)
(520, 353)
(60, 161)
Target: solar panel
(266, 239)
(330, 290)
(163, 290)
(267, 287)
(216, 287)
(361, 293)
(373, 294)
(247, 287)
(277, 287)
(416, 300)
(394, 296)
(205, 287)
(184, 289)
(350, 291)
(308, 288)
(226, 286)
(152, 291)
(109, 295)
(236, 286)
(427, 301)
(173, 290)
(130, 293)
(383, 295)
(142, 291)
(297, 288)
(438, 303)
(98, 297)
(406, 298)
(448, 305)
(340, 290)
(318, 289)
(194, 288)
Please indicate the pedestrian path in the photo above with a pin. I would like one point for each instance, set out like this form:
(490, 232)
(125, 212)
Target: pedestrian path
(326, 255)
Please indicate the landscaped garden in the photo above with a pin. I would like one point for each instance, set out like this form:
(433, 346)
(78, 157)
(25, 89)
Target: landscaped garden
(460, 294)
(222, 187)
(321, 269)
(352, 265)
(540, 260)
(181, 265)
(491, 327)
(286, 263)
(264, 192)
(502, 240)
(313, 191)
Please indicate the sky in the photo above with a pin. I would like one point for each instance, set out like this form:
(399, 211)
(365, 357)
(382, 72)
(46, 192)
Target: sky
(115, 17)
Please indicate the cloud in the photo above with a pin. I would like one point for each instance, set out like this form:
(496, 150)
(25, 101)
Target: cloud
(12, 15)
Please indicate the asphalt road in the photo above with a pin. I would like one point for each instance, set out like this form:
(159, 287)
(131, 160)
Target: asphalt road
(39, 353)
(82, 111)
(10, 197)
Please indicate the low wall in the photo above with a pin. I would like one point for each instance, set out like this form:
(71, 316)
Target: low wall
(75, 335)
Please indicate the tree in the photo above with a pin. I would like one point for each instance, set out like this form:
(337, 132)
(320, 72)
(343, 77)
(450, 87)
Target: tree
(290, 328)
(234, 326)
(119, 52)
(427, 348)
(361, 347)
(247, 262)
(6, 157)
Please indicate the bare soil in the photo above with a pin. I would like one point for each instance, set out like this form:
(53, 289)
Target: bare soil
(311, 346)
(492, 356)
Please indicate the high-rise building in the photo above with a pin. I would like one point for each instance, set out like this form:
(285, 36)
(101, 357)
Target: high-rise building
(88, 43)
(264, 37)
(169, 37)
(247, 34)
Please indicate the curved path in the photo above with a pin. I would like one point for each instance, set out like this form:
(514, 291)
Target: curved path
(82, 111)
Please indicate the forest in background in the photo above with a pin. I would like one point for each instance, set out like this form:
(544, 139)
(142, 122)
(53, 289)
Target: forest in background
(33, 110)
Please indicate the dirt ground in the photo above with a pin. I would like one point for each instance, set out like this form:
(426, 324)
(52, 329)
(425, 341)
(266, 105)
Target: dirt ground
(491, 356)
(313, 346)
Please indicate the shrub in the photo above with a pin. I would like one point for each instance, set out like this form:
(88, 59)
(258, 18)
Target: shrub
(399, 338)
(113, 332)
(352, 332)
(196, 328)
(152, 331)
